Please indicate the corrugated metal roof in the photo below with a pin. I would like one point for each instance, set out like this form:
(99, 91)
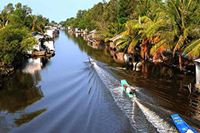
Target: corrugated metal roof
(115, 38)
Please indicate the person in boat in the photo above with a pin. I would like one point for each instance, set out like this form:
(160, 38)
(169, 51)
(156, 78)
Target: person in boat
(129, 89)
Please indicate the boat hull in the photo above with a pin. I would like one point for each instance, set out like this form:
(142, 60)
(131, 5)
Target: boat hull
(181, 125)
(124, 82)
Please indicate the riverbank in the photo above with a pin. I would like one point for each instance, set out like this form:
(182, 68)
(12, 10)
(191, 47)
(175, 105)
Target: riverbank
(24, 35)
(5, 71)
(31, 97)
(48, 87)
(160, 82)
(133, 61)
(44, 47)
(133, 57)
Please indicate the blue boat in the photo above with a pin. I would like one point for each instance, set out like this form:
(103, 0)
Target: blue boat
(181, 125)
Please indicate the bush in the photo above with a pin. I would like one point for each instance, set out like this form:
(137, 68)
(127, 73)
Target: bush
(14, 42)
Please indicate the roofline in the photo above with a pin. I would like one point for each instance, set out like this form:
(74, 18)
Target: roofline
(197, 60)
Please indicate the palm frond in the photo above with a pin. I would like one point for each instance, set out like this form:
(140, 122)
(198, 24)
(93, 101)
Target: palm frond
(157, 46)
(123, 45)
(193, 49)
(179, 44)
(133, 44)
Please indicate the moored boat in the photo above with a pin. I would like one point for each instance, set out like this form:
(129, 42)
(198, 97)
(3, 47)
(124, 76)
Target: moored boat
(38, 53)
(181, 125)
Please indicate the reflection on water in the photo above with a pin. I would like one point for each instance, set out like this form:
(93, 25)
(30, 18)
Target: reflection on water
(25, 118)
(61, 94)
(65, 94)
(33, 66)
(18, 93)
(162, 86)
(100, 55)
(142, 118)
(159, 85)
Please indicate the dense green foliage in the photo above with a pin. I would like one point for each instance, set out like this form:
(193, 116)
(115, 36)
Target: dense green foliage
(16, 25)
(14, 42)
(106, 17)
(156, 26)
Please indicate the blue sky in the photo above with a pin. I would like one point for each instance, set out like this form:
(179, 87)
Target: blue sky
(54, 9)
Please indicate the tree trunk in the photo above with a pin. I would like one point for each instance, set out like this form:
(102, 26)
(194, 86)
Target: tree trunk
(180, 61)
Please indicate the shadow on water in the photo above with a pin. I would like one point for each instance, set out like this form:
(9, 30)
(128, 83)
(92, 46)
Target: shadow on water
(161, 86)
(18, 93)
(141, 117)
(61, 94)
(160, 89)
(65, 94)
(100, 55)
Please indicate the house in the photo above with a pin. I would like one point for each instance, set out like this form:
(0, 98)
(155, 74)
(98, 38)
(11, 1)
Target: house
(197, 63)
(69, 28)
(36, 47)
(113, 40)
(77, 30)
(93, 34)
(85, 32)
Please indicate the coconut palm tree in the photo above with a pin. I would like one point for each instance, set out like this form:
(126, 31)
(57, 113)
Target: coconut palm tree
(184, 18)
(148, 30)
(173, 25)
(4, 15)
(38, 23)
(193, 50)
(3, 19)
(130, 37)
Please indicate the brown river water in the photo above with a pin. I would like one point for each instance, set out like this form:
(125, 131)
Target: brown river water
(65, 94)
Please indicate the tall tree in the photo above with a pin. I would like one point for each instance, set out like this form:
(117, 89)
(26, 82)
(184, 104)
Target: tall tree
(184, 17)
(125, 9)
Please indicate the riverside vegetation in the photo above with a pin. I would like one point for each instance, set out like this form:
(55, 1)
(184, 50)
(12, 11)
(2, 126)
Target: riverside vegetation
(156, 30)
(16, 26)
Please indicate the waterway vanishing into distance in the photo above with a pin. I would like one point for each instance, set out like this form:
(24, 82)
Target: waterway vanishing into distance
(65, 94)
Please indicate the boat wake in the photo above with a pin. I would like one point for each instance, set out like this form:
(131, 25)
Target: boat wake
(143, 116)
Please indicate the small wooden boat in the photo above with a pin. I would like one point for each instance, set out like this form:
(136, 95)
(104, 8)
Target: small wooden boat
(181, 125)
(38, 53)
(129, 90)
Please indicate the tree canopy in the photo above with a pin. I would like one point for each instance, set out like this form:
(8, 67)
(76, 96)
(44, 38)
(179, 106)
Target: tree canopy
(156, 26)
(16, 25)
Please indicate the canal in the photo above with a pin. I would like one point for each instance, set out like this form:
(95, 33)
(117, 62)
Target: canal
(65, 94)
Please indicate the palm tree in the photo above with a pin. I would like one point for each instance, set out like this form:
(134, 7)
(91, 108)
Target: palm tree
(4, 15)
(147, 32)
(184, 18)
(3, 19)
(193, 50)
(130, 37)
(147, 29)
(38, 24)
(174, 26)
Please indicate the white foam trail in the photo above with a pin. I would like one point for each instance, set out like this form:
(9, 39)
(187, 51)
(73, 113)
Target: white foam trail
(127, 106)
(161, 125)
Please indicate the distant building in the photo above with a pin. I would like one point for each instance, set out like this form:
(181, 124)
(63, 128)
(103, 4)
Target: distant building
(69, 28)
(77, 30)
(197, 62)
